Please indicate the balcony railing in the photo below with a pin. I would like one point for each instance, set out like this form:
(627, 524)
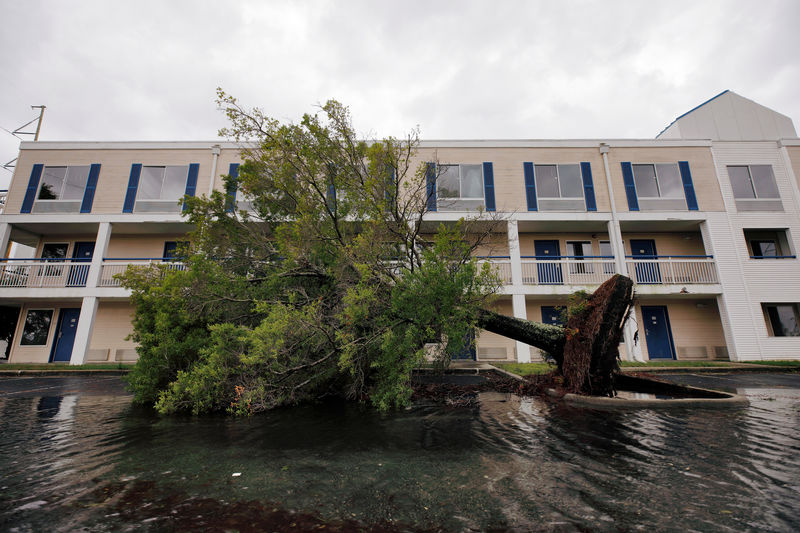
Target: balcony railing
(567, 270)
(43, 273)
(118, 265)
(672, 270)
(500, 265)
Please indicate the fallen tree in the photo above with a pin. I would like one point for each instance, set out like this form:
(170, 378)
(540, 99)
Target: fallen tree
(586, 349)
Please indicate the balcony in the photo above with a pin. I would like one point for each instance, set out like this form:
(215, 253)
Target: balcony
(500, 265)
(43, 273)
(118, 265)
(567, 270)
(672, 270)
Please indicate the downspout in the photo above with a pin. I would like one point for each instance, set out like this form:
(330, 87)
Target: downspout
(615, 236)
(215, 150)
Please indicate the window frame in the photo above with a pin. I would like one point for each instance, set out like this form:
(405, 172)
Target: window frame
(25, 323)
(582, 193)
(161, 187)
(752, 184)
(795, 307)
(577, 268)
(59, 197)
(681, 193)
(439, 196)
(778, 236)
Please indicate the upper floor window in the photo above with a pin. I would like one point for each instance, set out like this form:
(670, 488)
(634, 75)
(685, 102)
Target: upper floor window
(166, 183)
(659, 180)
(63, 183)
(753, 181)
(754, 188)
(460, 182)
(460, 187)
(558, 181)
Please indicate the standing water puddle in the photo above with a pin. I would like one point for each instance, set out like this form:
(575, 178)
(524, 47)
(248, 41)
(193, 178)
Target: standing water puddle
(76, 455)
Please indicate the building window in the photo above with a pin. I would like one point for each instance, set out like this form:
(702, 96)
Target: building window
(36, 328)
(659, 180)
(460, 182)
(56, 252)
(753, 182)
(558, 181)
(768, 244)
(63, 183)
(782, 319)
(607, 255)
(166, 183)
(174, 249)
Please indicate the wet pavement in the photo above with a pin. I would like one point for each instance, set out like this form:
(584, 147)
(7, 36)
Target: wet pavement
(77, 456)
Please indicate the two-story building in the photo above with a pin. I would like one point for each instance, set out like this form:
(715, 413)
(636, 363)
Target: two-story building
(705, 218)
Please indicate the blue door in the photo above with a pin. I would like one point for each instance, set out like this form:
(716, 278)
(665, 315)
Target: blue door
(646, 271)
(657, 332)
(65, 335)
(469, 348)
(81, 260)
(548, 266)
(552, 315)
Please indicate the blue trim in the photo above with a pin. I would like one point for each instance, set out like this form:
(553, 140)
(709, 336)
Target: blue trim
(669, 257)
(430, 185)
(773, 257)
(91, 185)
(488, 185)
(233, 186)
(630, 186)
(33, 186)
(688, 186)
(492, 257)
(588, 186)
(566, 257)
(133, 186)
(530, 186)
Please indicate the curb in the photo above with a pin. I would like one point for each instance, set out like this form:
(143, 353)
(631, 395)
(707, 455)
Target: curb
(61, 373)
(708, 369)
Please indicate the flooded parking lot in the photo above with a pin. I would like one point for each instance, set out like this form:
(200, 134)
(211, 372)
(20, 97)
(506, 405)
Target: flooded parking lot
(77, 455)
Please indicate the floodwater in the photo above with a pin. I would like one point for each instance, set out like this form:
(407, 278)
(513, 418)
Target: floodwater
(76, 456)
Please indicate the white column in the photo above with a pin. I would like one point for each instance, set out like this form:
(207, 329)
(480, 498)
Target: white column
(514, 252)
(5, 235)
(100, 248)
(83, 334)
(517, 297)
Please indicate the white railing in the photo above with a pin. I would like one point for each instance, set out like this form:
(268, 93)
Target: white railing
(112, 267)
(673, 270)
(31, 273)
(501, 267)
(567, 271)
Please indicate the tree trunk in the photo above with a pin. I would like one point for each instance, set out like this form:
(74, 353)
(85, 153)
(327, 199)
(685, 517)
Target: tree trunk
(586, 350)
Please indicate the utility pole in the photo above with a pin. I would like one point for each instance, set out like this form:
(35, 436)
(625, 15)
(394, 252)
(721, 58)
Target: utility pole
(39, 124)
(17, 132)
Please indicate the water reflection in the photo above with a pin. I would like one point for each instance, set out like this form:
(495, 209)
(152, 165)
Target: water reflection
(76, 454)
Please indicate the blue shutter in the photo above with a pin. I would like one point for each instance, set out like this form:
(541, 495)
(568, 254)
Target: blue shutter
(688, 186)
(91, 185)
(488, 186)
(233, 185)
(630, 186)
(588, 186)
(133, 186)
(430, 182)
(191, 181)
(530, 186)
(33, 186)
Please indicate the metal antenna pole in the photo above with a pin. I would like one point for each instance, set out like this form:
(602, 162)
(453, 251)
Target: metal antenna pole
(41, 116)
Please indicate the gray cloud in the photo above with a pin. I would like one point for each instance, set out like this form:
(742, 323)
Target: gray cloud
(459, 69)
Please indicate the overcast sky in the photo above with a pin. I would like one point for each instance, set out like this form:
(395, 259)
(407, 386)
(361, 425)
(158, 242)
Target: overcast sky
(143, 70)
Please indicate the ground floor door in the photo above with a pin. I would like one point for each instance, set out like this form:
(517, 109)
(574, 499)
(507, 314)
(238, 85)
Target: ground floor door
(8, 325)
(81, 260)
(469, 351)
(647, 270)
(65, 335)
(548, 267)
(657, 332)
